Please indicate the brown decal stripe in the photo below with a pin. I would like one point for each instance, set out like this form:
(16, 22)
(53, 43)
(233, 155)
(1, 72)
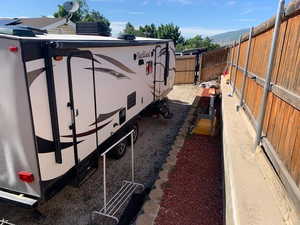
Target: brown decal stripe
(162, 53)
(173, 50)
(103, 117)
(110, 72)
(34, 74)
(88, 132)
(46, 146)
(151, 86)
(87, 56)
(172, 69)
(116, 63)
(156, 95)
(162, 50)
(159, 63)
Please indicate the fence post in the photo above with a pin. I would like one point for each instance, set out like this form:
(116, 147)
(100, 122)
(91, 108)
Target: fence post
(246, 68)
(232, 59)
(200, 66)
(267, 85)
(237, 65)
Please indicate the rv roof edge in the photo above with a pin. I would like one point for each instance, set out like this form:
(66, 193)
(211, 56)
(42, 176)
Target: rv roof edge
(94, 44)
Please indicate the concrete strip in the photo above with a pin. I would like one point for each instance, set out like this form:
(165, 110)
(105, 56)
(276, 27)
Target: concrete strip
(249, 198)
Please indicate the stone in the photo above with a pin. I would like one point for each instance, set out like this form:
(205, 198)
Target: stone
(151, 208)
(156, 195)
(164, 174)
(145, 219)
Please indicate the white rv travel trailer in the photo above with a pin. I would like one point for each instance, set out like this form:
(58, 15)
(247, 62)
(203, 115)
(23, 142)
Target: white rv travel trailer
(66, 98)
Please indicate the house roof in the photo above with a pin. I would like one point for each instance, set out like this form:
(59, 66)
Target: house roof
(40, 22)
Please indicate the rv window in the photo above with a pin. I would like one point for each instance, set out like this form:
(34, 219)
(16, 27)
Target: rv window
(141, 62)
(131, 100)
(122, 116)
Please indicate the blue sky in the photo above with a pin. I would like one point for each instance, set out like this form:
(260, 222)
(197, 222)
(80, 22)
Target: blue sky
(205, 17)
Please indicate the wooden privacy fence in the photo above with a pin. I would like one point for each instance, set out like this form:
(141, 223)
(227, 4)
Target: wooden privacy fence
(248, 61)
(212, 64)
(185, 69)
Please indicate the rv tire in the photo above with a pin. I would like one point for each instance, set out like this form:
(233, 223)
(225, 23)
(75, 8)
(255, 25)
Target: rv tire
(119, 151)
(135, 128)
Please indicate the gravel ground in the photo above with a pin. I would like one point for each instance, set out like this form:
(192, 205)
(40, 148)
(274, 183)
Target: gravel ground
(74, 206)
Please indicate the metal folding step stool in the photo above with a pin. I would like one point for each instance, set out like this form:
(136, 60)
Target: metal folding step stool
(128, 188)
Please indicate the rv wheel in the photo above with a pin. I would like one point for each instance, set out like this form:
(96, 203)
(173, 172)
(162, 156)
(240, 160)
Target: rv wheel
(119, 151)
(135, 129)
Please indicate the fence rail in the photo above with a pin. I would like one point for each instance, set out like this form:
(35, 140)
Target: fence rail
(281, 120)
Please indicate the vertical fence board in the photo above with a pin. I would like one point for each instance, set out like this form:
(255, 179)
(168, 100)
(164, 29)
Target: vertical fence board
(268, 112)
(295, 157)
(185, 69)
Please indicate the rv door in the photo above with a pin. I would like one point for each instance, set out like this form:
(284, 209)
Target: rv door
(82, 104)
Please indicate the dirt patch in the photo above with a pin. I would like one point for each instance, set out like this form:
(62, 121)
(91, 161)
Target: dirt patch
(74, 206)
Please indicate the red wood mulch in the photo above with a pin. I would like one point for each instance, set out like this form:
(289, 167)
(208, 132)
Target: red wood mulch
(194, 193)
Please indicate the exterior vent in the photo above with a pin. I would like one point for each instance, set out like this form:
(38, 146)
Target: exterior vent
(127, 37)
(16, 31)
(88, 28)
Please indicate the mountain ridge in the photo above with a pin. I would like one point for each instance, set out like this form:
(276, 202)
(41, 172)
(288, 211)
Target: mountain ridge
(228, 38)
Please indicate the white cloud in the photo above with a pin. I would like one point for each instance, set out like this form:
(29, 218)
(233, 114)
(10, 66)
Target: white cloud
(183, 2)
(117, 27)
(247, 11)
(231, 2)
(246, 20)
(136, 13)
(193, 31)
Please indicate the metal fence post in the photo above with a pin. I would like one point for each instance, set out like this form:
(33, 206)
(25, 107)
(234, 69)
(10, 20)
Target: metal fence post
(237, 65)
(267, 85)
(246, 67)
(232, 59)
(200, 66)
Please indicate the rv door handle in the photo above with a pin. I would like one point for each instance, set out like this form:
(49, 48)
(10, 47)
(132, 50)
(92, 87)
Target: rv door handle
(76, 113)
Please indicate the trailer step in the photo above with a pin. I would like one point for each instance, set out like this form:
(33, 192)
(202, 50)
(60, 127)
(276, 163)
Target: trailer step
(85, 170)
(18, 199)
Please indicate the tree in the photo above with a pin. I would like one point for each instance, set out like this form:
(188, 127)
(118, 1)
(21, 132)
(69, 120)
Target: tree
(149, 31)
(129, 29)
(95, 16)
(197, 42)
(83, 14)
(170, 31)
(77, 16)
